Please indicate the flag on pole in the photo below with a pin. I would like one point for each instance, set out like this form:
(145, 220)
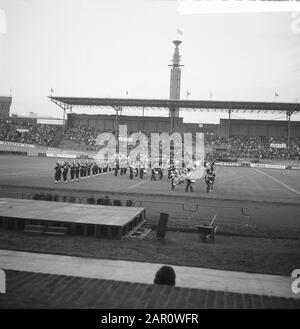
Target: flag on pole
(187, 94)
(179, 33)
(52, 91)
(276, 94)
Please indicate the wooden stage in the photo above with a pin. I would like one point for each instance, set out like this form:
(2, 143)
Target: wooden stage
(98, 221)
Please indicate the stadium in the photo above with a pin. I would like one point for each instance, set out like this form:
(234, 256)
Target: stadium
(60, 204)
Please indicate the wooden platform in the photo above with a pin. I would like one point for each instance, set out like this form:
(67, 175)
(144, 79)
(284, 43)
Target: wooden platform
(99, 221)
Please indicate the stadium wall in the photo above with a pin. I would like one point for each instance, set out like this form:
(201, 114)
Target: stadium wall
(149, 125)
(258, 128)
(134, 123)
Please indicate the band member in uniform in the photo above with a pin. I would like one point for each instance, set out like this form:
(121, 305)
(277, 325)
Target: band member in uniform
(121, 170)
(170, 171)
(130, 173)
(213, 177)
(88, 168)
(153, 174)
(84, 167)
(142, 172)
(57, 169)
(136, 172)
(94, 168)
(172, 178)
(77, 170)
(81, 170)
(212, 166)
(72, 170)
(161, 173)
(188, 181)
(208, 180)
(65, 172)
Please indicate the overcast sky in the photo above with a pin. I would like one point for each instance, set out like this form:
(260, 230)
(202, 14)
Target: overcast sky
(101, 48)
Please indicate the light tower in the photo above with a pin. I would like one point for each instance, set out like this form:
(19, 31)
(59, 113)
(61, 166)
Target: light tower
(175, 78)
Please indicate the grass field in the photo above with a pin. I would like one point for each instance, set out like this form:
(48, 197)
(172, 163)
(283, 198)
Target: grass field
(243, 196)
(247, 184)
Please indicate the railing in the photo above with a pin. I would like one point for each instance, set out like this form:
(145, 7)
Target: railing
(198, 213)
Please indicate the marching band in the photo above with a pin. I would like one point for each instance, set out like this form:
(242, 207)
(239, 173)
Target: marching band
(79, 169)
(82, 169)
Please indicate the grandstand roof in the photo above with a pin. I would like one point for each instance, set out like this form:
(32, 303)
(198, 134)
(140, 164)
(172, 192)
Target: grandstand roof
(194, 105)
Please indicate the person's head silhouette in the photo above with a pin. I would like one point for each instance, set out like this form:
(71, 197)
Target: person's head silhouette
(165, 275)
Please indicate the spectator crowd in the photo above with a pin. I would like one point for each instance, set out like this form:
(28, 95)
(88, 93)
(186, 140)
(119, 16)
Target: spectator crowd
(27, 132)
(259, 147)
(239, 146)
(255, 147)
(84, 136)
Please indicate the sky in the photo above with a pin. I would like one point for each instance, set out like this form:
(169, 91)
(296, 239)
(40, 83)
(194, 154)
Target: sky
(101, 48)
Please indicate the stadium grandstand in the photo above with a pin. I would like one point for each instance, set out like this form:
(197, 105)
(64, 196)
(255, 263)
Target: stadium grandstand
(31, 129)
(231, 138)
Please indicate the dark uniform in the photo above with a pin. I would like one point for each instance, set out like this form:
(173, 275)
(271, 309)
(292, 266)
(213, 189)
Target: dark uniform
(153, 174)
(88, 168)
(116, 168)
(81, 171)
(161, 173)
(130, 173)
(188, 181)
(141, 173)
(208, 180)
(57, 169)
(77, 170)
(94, 169)
(65, 172)
(72, 171)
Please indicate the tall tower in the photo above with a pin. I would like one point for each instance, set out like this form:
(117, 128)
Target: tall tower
(175, 78)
